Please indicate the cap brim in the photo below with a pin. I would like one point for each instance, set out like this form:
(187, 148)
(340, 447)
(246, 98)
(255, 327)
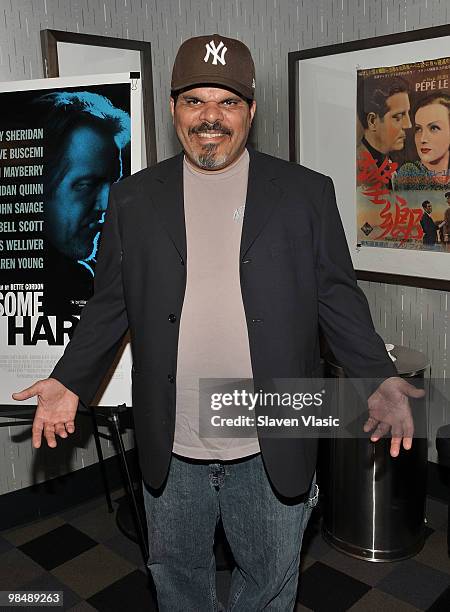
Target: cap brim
(207, 79)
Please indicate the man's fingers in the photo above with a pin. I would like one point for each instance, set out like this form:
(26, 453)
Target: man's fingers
(49, 433)
(27, 393)
(407, 443)
(70, 426)
(412, 391)
(370, 424)
(38, 426)
(392, 407)
(417, 393)
(408, 426)
(395, 446)
(60, 430)
(380, 431)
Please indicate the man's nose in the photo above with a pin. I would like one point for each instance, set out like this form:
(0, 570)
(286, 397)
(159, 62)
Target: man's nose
(407, 121)
(101, 201)
(211, 112)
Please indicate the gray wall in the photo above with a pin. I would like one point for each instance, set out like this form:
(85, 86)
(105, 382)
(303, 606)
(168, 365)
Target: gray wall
(271, 28)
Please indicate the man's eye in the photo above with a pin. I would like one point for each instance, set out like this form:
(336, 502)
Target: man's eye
(193, 102)
(230, 102)
(83, 185)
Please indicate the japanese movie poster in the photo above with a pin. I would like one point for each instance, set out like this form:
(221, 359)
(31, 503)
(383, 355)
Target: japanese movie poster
(402, 156)
(60, 151)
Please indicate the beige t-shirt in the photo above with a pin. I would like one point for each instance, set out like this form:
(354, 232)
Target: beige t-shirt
(213, 341)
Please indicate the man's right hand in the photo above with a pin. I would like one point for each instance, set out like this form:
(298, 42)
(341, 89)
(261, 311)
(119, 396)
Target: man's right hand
(55, 413)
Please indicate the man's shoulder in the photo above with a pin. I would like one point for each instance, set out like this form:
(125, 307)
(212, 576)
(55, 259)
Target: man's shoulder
(289, 171)
(136, 180)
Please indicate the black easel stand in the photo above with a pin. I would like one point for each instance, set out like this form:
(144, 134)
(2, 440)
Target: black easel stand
(123, 517)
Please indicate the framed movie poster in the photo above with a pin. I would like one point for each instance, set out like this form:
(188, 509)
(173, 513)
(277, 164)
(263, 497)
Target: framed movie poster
(374, 115)
(63, 143)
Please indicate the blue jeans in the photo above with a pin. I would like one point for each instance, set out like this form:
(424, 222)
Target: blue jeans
(264, 533)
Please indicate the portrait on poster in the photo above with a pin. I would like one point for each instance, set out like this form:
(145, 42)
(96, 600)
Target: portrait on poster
(61, 150)
(402, 156)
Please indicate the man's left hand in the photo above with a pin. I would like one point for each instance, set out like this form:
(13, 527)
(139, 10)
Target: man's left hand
(389, 410)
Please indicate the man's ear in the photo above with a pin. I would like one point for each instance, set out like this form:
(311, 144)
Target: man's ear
(252, 110)
(372, 121)
(172, 107)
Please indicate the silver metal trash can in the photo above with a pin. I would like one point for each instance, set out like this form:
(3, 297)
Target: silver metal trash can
(373, 504)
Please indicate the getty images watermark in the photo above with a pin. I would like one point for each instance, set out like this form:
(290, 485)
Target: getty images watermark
(240, 399)
(306, 408)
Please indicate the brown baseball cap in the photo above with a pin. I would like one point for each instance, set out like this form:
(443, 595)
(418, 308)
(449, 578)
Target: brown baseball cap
(215, 60)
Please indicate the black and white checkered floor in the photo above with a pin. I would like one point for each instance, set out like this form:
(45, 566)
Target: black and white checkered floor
(82, 553)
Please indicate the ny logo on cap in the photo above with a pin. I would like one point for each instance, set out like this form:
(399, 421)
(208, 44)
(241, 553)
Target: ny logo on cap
(211, 49)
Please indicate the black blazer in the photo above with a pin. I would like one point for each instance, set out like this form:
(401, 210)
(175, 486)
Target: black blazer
(295, 273)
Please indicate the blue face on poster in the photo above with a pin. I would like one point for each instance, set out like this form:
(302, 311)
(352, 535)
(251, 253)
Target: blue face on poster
(90, 163)
(85, 136)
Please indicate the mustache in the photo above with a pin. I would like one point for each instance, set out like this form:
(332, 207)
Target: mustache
(206, 127)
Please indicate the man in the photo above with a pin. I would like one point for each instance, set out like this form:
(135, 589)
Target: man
(429, 227)
(446, 225)
(208, 290)
(85, 136)
(383, 111)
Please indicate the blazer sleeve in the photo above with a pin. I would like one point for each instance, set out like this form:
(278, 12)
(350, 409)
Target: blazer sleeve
(103, 323)
(344, 313)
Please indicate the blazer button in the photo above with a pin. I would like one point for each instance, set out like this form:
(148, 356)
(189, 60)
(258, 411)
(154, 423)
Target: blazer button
(247, 261)
(171, 378)
(172, 318)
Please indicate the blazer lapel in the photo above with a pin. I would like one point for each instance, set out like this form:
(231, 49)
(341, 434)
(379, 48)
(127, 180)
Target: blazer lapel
(262, 198)
(167, 195)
